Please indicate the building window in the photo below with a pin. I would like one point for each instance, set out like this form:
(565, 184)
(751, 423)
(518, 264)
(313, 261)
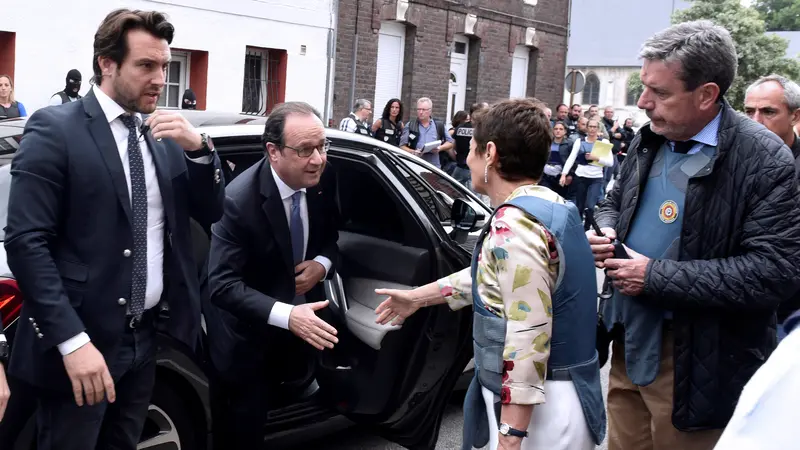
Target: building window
(195, 66)
(177, 81)
(591, 91)
(264, 80)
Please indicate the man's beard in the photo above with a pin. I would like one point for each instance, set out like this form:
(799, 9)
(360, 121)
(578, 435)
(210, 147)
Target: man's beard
(130, 101)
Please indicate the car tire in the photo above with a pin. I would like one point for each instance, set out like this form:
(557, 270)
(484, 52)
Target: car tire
(170, 424)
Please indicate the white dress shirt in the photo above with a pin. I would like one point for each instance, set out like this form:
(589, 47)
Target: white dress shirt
(279, 316)
(155, 209)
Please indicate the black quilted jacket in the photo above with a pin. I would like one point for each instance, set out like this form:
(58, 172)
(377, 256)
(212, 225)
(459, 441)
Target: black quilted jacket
(739, 257)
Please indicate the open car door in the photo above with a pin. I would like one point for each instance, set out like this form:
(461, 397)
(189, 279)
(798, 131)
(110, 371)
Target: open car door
(394, 380)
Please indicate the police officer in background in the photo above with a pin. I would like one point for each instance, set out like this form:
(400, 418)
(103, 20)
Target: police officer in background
(70, 92)
(356, 122)
(462, 137)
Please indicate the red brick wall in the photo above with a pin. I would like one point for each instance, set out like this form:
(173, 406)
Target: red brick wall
(431, 25)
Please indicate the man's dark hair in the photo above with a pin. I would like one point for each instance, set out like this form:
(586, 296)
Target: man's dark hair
(276, 122)
(574, 105)
(560, 122)
(522, 134)
(560, 105)
(477, 107)
(387, 110)
(459, 118)
(111, 38)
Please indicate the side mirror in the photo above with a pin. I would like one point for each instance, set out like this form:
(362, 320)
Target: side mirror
(465, 219)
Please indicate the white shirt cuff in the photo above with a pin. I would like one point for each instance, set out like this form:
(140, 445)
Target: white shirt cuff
(3, 338)
(74, 343)
(201, 160)
(326, 263)
(279, 316)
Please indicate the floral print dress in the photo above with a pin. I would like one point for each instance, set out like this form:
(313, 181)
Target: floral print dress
(517, 272)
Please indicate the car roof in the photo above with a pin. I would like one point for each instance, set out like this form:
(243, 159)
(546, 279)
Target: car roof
(226, 125)
(196, 118)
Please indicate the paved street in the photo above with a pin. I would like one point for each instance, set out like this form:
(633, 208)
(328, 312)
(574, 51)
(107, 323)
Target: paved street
(449, 436)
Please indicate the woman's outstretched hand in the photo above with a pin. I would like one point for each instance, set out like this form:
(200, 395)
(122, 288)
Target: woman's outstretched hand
(397, 307)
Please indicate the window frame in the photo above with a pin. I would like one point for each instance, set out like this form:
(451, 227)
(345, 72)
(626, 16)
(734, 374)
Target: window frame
(183, 59)
(591, 97)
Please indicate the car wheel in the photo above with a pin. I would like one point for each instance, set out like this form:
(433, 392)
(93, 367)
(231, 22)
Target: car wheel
(169, 424)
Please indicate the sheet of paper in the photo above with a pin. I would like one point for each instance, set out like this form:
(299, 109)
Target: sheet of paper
(431, 146)
(602, 150)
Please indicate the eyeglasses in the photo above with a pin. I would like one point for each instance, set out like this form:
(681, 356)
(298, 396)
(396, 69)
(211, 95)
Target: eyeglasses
(423, 109)
(306, 152)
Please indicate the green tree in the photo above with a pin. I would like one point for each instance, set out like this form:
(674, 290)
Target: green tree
(759, 53)
(780, 15)
(635, 88)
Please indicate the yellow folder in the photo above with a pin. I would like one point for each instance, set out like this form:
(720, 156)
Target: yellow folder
(602, 150)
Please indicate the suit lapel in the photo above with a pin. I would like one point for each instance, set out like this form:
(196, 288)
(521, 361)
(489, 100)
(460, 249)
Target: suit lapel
(276, 214)
(107, 146)
(161, 161)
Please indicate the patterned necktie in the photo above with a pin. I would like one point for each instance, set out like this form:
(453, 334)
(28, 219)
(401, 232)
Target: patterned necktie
(139, 210)
(296, 228)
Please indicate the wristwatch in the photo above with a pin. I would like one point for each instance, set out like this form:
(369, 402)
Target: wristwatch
(506, 430)
(206, 149)
(5, 353)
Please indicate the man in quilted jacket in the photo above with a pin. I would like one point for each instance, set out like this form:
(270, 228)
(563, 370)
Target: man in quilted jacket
(706, 205)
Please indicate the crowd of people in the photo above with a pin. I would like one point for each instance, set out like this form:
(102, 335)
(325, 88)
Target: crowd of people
(699, 237)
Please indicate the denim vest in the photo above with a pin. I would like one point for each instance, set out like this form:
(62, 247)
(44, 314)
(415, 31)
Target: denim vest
(586, 147)
(572, 351)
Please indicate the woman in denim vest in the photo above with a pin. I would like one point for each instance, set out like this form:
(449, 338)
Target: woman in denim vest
(514, 286)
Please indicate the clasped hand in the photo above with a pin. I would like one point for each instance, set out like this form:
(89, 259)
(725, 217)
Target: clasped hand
(628, 274)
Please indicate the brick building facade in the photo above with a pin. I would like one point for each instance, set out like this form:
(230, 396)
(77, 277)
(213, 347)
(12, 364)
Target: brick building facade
(494, 29)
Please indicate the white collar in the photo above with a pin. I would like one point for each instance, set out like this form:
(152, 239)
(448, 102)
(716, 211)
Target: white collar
(283, 188)
(110, 108)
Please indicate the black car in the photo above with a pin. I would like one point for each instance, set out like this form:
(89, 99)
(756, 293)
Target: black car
(403, 223)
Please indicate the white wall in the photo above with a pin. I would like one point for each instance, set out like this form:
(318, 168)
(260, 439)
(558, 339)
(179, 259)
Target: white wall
(54, 36)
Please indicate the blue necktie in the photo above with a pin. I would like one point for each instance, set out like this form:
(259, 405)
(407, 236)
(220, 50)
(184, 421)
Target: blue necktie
(139, 211)
(296, 228)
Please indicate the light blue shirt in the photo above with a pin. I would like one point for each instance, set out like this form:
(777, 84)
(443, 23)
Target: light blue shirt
(706, 136)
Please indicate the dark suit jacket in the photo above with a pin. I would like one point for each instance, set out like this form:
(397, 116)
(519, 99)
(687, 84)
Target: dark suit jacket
(69, 222)
(251, 267)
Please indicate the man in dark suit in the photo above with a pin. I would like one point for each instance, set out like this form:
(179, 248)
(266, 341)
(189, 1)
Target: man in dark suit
(274, 246)
(98, 239)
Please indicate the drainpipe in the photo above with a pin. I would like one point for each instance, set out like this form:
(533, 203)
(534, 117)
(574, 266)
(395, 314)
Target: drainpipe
(331, 63)
(354, 59)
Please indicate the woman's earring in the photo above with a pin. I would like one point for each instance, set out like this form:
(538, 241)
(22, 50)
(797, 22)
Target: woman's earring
(486, 173)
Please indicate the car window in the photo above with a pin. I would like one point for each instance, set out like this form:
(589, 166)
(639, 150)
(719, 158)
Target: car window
(445, 190)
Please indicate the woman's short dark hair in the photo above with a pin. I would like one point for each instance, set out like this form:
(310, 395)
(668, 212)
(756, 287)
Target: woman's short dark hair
(520, 131)
(387, 110)
(276, 122)
(111, 38)
(459, 118)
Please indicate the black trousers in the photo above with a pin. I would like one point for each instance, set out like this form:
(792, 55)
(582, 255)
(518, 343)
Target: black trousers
(63, 425)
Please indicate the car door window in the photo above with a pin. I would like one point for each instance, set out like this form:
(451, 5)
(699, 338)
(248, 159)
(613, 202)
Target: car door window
(438, 195)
